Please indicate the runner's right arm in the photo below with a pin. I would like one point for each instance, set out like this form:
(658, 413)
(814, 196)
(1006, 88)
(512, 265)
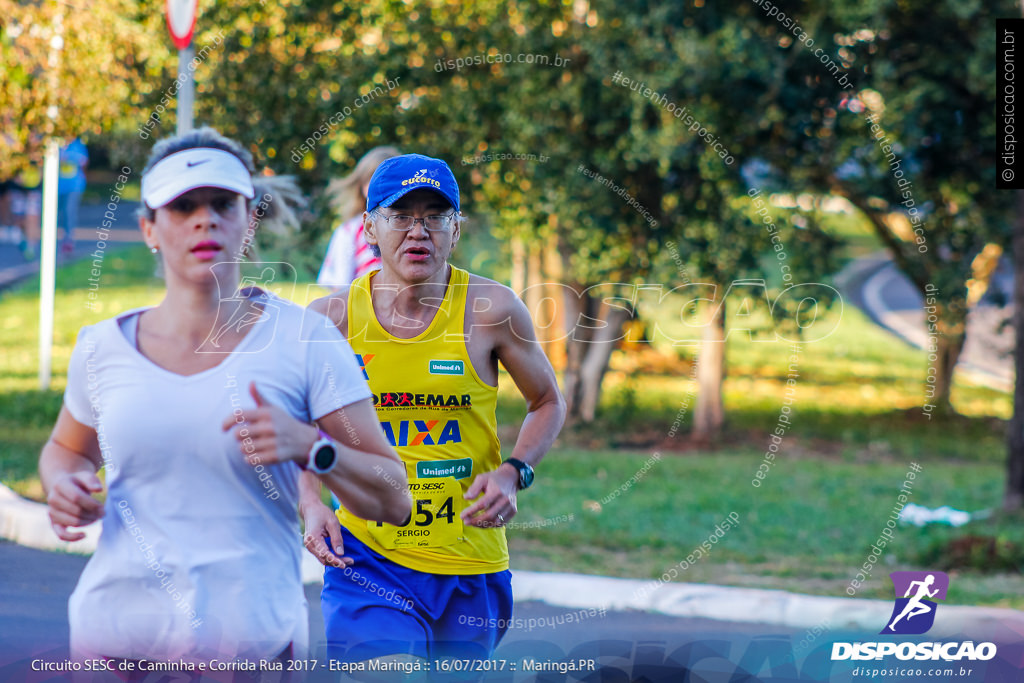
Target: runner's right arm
(320, 523)
(320, 520)
(67, 468)
(375, 490)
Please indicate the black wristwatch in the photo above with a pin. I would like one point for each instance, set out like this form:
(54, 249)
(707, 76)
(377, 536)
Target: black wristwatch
(525, 472)
(322, 455)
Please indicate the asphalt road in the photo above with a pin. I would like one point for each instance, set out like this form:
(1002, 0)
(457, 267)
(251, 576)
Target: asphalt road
(621, 646)
(893, 302)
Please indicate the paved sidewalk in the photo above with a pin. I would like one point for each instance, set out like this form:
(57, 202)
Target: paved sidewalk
(14, 267)
(25, 522)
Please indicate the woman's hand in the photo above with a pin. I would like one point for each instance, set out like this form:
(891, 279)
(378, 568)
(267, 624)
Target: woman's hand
(268, 435)
(72, 504)
(321, 523)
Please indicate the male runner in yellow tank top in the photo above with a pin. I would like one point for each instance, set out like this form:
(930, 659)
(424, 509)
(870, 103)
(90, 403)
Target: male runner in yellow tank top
(429, 337)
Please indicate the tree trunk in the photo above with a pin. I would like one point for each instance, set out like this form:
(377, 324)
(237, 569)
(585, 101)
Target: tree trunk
(1013, 498)
(552, 270)
(589, 348)
(709, 413)
(949, 342)
(576, 306)
(534, 292)
(919, 268)
(519, 283)
(595, 361)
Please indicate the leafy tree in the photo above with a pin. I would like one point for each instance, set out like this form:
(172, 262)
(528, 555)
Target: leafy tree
(285, 77)
(79, 59)
(908, 142)
(662, 181)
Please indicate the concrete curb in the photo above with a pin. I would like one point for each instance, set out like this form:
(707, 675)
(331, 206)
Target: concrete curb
(751, 605)
(25, 522)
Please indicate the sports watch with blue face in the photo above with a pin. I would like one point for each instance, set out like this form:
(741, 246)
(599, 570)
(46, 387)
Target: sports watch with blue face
(525, 472)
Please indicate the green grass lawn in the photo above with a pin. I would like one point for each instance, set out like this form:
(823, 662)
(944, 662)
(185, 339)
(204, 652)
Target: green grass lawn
(858, 398)
(808, 528)
(856, 425)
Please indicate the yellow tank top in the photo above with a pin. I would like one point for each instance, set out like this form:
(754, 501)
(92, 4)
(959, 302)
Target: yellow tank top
(439, 415)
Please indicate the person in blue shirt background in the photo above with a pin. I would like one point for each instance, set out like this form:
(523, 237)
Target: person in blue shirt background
(74, 157)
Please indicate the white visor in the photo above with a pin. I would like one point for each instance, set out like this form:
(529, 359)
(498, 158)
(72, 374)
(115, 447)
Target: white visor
(178, 173)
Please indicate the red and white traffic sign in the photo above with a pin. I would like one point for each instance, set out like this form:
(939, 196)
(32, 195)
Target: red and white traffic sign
(181, 21)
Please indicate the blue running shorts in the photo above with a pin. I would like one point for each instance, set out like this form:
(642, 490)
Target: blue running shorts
(377, 607)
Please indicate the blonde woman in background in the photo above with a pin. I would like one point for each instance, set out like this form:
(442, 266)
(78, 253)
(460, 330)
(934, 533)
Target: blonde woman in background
(348, 254)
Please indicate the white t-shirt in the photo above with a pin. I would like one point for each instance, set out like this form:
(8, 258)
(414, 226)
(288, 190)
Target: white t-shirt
(199, 554)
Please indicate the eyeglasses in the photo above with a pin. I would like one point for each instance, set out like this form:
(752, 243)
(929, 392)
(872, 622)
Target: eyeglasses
(403, 223)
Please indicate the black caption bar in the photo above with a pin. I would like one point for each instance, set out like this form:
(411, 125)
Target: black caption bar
(1009, 135)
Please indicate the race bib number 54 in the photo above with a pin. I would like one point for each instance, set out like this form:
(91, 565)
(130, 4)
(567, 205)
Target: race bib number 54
(435, 517)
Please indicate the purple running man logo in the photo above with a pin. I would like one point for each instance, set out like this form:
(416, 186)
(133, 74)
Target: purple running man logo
(914, 612)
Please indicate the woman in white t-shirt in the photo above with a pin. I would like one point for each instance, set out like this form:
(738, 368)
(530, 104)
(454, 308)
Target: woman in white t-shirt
(201, 409)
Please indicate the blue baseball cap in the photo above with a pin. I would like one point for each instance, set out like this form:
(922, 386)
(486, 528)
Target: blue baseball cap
(398, 176)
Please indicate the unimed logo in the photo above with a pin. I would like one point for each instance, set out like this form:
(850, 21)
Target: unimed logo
(447, 367)
(914, 614)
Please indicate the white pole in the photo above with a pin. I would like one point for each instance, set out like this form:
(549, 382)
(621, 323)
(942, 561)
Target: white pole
(186, 93)
(48, 260)
(48, 238)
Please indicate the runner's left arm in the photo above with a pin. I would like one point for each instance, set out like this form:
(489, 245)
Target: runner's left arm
(517, 348)
(369, 478)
